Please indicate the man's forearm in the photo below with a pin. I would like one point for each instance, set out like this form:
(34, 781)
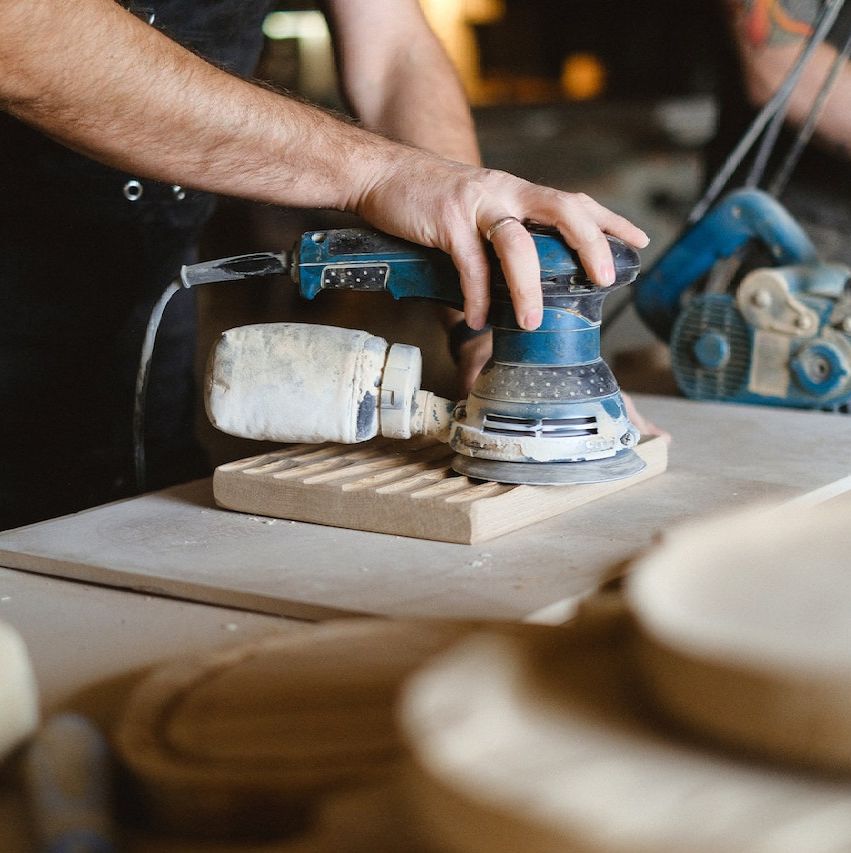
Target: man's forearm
(402, 82)
(404, 85)
(101, 81)
(95, 77)
(770, 35)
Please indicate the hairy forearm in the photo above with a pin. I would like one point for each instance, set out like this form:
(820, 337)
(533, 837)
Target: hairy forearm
(770, 35)
(96, 78)
(93, 76)
(398, 79)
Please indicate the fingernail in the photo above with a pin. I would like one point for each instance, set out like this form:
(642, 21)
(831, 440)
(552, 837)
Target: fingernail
(533, 319)
(475, 323)
(646, 240)
(607, 274)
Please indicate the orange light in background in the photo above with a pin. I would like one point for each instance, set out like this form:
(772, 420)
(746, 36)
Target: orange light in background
(483, 11)
(583, 77)
(452, 22)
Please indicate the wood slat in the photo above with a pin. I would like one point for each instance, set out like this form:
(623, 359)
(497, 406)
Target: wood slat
(405, 489)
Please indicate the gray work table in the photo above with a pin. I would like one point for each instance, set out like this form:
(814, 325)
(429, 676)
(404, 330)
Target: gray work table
(87, 640)
(177, 542)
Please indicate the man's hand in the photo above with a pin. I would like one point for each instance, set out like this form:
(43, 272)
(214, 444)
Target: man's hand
(643, 425)
(473, 357)
(469, 352)
(452, 206)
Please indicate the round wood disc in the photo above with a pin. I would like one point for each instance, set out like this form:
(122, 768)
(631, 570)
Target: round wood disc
(242, 740)
(744, 631)
(19, 710)
(540, 745)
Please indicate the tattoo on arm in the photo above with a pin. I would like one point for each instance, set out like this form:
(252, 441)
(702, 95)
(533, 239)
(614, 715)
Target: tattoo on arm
(776, 22)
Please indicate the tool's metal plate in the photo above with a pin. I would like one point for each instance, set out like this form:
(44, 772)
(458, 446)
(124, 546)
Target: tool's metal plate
(627, 463)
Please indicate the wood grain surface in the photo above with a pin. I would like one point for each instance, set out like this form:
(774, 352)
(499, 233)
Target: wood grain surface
(177, 543)
(244, 741)
(402, 488)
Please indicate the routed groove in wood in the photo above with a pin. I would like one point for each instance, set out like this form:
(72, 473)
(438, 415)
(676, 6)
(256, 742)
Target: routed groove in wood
(405, 489)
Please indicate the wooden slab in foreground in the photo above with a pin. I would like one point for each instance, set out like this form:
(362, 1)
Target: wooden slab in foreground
(406, 489)
(543, 744)
(745, 631)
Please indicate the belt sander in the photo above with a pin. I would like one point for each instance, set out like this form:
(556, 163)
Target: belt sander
(776, 333)
(546, 409)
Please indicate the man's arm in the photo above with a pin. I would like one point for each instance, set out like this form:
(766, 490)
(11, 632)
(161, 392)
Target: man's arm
(404, 85)
(398, 79)
(95, 77)
(770, 35)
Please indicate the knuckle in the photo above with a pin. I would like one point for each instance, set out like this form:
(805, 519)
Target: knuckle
(471, 264)
(584, 232)
(499, 176)
(498, 183)
(523, 289)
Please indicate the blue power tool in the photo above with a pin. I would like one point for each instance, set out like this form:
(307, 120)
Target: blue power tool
(546, 409)
(781, 335)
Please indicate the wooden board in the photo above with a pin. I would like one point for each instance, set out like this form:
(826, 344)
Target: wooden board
(540, 744)
(402, 488)
(247, 740)
(178, 543)
(745, 631)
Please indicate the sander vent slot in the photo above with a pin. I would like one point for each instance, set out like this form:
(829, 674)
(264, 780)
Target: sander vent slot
(540, 427)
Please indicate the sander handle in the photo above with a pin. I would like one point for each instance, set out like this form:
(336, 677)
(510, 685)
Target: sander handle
(361, 259)
(365, 260)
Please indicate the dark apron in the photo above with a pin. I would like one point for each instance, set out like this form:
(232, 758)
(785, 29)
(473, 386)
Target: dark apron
(85, 251)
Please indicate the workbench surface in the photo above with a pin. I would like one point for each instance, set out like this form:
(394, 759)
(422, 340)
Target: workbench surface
(87, 640)
(178, 543)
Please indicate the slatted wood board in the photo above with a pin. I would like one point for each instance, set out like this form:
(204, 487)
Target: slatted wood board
(401, 488)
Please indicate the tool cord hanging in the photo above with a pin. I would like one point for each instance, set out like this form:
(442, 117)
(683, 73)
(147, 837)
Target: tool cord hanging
(142, 378)
(781, 178)
(774, 112)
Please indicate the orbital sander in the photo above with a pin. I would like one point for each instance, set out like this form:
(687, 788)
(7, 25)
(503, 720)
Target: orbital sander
(546, 409)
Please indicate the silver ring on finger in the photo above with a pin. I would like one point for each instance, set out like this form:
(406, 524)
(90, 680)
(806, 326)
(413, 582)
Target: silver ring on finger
(498, 224)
